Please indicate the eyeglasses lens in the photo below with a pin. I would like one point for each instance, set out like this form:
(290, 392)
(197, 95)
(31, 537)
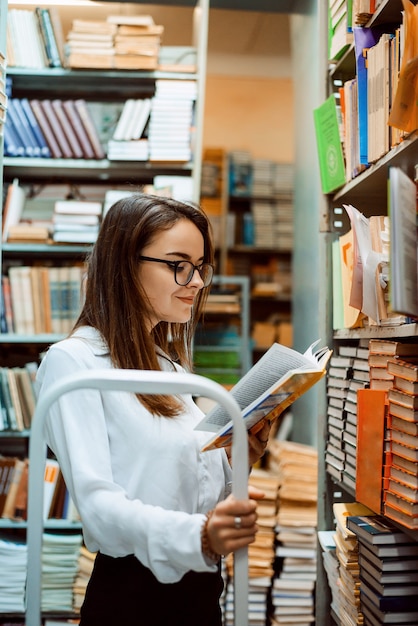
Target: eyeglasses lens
(185, 271)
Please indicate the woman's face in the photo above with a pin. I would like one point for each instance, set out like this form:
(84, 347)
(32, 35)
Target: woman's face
(171, 302)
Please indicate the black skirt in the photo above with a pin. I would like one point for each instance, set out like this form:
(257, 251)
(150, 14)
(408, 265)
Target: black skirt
(122, 591)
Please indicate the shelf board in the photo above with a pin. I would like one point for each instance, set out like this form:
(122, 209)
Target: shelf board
(90, 169)
(368, 191)
(45, 249)
(42, 339)
(376, 332)
(108, 84)
(49, 524)
(245, 249)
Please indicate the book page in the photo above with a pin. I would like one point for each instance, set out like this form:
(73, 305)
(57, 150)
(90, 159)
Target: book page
(272, 366)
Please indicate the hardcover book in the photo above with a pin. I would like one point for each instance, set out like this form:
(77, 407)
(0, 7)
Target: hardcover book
(376, 530)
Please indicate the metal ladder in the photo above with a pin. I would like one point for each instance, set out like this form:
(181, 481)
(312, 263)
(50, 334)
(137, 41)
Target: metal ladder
(133, 381)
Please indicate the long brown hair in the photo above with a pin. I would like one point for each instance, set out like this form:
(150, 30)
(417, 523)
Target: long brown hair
(115, 303)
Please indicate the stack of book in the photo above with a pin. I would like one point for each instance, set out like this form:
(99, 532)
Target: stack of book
(380, 351)
(338, 380)
(13, 568)
(292, 595)
(347, 593)
(171, 122)
(401, 495)
(129, 140)
(260, 553)
(76, 221)
(388, 571)
(84, 571)
(60, 556)
(91, 44)
(331, 566)
(137, 42)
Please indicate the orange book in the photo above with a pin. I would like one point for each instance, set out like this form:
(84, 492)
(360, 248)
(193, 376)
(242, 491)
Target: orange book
(371, 415)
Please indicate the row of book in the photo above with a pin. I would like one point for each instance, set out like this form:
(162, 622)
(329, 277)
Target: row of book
(41, 298)
(374, 273)
(157, 129)
(261, 178)
(14, 472)
(17, 396)
(51, 128)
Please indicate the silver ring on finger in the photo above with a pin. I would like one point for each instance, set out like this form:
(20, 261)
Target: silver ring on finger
(237, 522)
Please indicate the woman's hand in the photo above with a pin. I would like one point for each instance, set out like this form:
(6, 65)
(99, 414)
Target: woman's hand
(232, 524)
(257, 443)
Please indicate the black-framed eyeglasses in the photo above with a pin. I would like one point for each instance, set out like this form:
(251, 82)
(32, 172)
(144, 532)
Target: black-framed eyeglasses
(184, 270)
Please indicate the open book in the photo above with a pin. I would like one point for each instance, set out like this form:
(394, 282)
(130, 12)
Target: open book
(280, 377)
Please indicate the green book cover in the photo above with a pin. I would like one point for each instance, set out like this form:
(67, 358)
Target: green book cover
(331, 159)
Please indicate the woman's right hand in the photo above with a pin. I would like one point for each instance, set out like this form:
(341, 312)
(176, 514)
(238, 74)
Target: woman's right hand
(232, 524)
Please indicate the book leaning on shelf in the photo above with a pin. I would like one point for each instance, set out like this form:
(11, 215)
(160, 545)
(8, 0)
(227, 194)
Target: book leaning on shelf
(280, 377)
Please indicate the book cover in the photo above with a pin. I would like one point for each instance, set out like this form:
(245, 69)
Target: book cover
(393, 564)
(48, 37)
(392, 348)
(271, 385)
(330, 153)
(403, 518)
(376, 530)
(402, 210)
(403, 369)
(371, 414)
(13, 207)
(397, 577)
(406, 413)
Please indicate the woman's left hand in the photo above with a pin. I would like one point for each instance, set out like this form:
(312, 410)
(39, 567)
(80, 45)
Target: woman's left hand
(257, 443)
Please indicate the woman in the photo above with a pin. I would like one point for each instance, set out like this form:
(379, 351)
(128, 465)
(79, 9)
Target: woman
(156, 509)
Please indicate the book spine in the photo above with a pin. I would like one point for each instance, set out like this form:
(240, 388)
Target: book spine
(25, 128)
(48, 37)
(25, 148)
(79, 130)
(89, 127)
(46, 128)
(36, 129)
(57, 105)
(56, 128)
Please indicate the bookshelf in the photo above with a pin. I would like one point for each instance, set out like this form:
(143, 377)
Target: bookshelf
(257, 241)
(108, 87)
(368, 192)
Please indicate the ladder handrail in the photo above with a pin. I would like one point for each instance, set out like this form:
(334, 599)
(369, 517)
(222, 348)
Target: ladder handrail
(134, 381)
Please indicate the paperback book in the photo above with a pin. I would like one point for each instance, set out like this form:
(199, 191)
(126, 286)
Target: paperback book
(280, 377)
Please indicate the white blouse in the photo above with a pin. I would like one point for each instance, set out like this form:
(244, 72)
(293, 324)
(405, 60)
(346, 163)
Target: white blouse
(139, 482)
